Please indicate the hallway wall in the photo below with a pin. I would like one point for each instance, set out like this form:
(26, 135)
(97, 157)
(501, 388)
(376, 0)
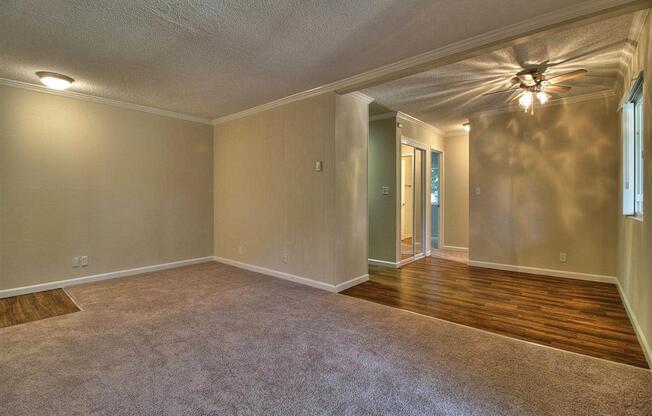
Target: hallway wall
(548, 184)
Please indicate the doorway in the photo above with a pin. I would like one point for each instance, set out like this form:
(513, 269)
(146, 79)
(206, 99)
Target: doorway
(435, 199)
(412, 227)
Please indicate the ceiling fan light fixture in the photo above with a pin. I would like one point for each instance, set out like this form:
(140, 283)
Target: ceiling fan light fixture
(525, 100)
(542, 97)
(54, 80)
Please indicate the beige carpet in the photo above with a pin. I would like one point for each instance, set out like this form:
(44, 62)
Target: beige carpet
(211, 339)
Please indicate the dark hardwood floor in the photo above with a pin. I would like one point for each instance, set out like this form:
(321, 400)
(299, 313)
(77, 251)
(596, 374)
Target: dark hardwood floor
(573, 315)
(35, 306)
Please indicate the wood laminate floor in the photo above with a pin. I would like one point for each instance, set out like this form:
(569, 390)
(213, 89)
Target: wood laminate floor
(35, 306)
(573, 315)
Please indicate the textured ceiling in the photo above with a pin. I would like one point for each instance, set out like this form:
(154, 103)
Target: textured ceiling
(444, 96)
(210, 58)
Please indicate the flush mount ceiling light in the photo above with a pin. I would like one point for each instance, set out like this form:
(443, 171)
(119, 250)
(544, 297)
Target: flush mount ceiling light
(467, 126)
(54, 80)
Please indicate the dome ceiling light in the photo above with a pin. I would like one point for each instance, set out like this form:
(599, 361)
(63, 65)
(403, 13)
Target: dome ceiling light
(54, 80)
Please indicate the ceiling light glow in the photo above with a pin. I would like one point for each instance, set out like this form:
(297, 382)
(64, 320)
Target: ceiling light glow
(526, 100)
(542, 97)
(467, 126)
(54, 80)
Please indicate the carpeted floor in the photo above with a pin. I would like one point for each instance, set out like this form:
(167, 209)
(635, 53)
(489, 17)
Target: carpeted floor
(211, 339)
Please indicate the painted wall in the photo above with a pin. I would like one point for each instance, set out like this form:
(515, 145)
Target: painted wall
(456, 199)
(351, 223)
(124, 187)
(635, 237)
(382, 172)
(549, 184)
(272, 209)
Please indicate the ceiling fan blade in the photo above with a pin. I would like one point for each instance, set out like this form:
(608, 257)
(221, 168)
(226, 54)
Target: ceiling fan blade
(501, 91)
(559, 89)
(567, 76)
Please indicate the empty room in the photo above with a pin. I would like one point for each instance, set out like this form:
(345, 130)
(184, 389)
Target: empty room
(325, 208)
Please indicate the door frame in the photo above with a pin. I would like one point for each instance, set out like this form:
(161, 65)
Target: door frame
(425, 179)
(440, 239)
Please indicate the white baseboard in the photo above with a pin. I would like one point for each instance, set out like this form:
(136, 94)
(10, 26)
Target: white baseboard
(454, 248)
(376, 262)
(645, 345)
(350, 283)
(292, 277)
(545, 272)
(97, 277)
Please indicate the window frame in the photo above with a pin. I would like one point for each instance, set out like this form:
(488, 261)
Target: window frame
(633, 152)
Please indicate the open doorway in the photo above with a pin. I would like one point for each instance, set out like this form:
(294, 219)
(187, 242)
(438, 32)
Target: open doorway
(435, 199)
(412, 200)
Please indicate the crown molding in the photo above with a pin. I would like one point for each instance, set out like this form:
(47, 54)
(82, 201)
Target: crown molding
(101, 100)
(360, 96)
(415, 120)
(457, 51)
(383, 116)
(513, 108)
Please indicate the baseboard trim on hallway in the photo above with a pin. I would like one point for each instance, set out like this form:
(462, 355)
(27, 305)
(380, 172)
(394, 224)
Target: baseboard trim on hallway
(292, 277)
(545, 272)
(97, 277)
(350, 283)
(455, 248)
(645, 345)
(376, 262)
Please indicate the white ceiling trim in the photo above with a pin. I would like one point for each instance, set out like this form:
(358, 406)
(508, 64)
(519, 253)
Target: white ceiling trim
(100, 100)
(413, 119)
(566, 100)
(360, 96)
(514, 31)
(383, 116)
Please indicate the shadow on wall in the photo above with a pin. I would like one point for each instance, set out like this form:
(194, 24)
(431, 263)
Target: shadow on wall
(552, 178)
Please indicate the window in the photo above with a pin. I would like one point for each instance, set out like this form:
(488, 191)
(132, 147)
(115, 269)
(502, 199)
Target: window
(633, 151)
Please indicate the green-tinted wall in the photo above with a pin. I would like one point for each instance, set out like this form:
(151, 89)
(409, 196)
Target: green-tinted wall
(382, 172)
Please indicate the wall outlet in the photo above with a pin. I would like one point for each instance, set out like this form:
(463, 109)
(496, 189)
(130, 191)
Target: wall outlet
(477, 190)
(562, 257)
(240, 247)
(285, 257)
(75, 262)
(84, 261)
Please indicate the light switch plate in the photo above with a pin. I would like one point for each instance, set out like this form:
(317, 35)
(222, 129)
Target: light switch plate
(84, 261)
(75, 262)
(385, 190)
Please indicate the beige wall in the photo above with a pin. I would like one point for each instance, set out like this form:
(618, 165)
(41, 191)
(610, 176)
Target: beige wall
(124, 187)
(456, 194)
(270, 201)
(549, 184)
(382, 172)
(351, 222)
(635, 237)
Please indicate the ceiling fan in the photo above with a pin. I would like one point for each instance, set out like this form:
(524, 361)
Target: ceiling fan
(531, 83)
